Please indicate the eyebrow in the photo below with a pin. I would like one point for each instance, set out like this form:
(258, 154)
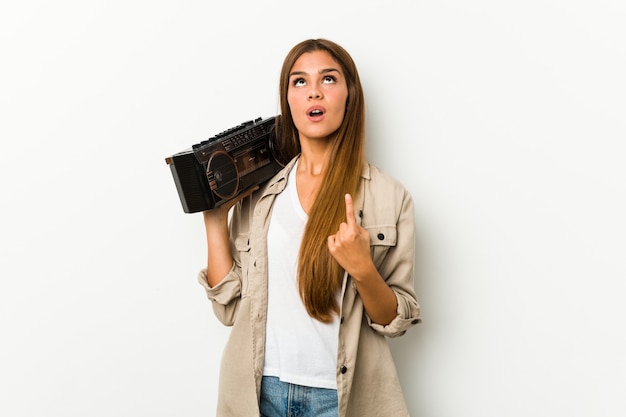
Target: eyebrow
(322, 71)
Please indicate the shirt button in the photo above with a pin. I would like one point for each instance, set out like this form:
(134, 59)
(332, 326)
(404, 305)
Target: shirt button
(343, 369)
(381, 236)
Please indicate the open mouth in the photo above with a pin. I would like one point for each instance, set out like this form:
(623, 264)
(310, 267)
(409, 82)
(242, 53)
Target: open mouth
(314, 113)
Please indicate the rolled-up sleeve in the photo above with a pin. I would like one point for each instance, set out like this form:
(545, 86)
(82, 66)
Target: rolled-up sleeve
(225, 296)
(408, 316)
(397, 269)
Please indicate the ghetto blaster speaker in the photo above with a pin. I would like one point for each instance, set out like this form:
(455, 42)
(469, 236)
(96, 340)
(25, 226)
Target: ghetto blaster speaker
(217, 170)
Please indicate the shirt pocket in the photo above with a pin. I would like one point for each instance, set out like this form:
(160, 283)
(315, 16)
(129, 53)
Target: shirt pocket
(382, 238)
(242, 259)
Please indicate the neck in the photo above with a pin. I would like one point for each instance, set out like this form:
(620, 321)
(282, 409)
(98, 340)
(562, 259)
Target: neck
(313, 157)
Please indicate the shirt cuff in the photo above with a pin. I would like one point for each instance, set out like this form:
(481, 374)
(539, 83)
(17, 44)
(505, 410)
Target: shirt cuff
(408, 316)
(224, 292)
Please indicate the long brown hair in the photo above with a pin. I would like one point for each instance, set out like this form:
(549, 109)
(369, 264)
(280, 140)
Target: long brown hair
(319, 275)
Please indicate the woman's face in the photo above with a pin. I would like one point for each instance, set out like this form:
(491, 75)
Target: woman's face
(317, 95)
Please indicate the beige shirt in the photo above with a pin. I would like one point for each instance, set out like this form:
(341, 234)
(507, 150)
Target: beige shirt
(367, 382)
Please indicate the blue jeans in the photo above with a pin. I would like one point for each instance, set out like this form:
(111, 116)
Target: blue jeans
(282, 399)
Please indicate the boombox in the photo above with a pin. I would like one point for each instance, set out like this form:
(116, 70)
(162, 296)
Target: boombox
(219, 169)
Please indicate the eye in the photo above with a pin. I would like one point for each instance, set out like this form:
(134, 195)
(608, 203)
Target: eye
(298, 82)
(329, 79)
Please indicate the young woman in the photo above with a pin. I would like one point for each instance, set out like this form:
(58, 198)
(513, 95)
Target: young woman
(315, 267)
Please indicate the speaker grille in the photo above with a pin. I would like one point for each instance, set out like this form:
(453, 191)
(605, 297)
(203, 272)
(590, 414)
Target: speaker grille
(222, 175)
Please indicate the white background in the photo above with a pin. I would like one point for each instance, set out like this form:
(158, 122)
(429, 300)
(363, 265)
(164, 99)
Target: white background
(505, 120)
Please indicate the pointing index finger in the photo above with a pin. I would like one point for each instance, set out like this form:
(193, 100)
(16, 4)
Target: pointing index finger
(350, 210)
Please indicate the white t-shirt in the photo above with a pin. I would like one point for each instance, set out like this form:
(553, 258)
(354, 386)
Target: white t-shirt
(298, 349)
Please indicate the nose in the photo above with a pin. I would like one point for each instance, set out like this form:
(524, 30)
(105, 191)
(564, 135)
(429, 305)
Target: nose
(314, 93)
